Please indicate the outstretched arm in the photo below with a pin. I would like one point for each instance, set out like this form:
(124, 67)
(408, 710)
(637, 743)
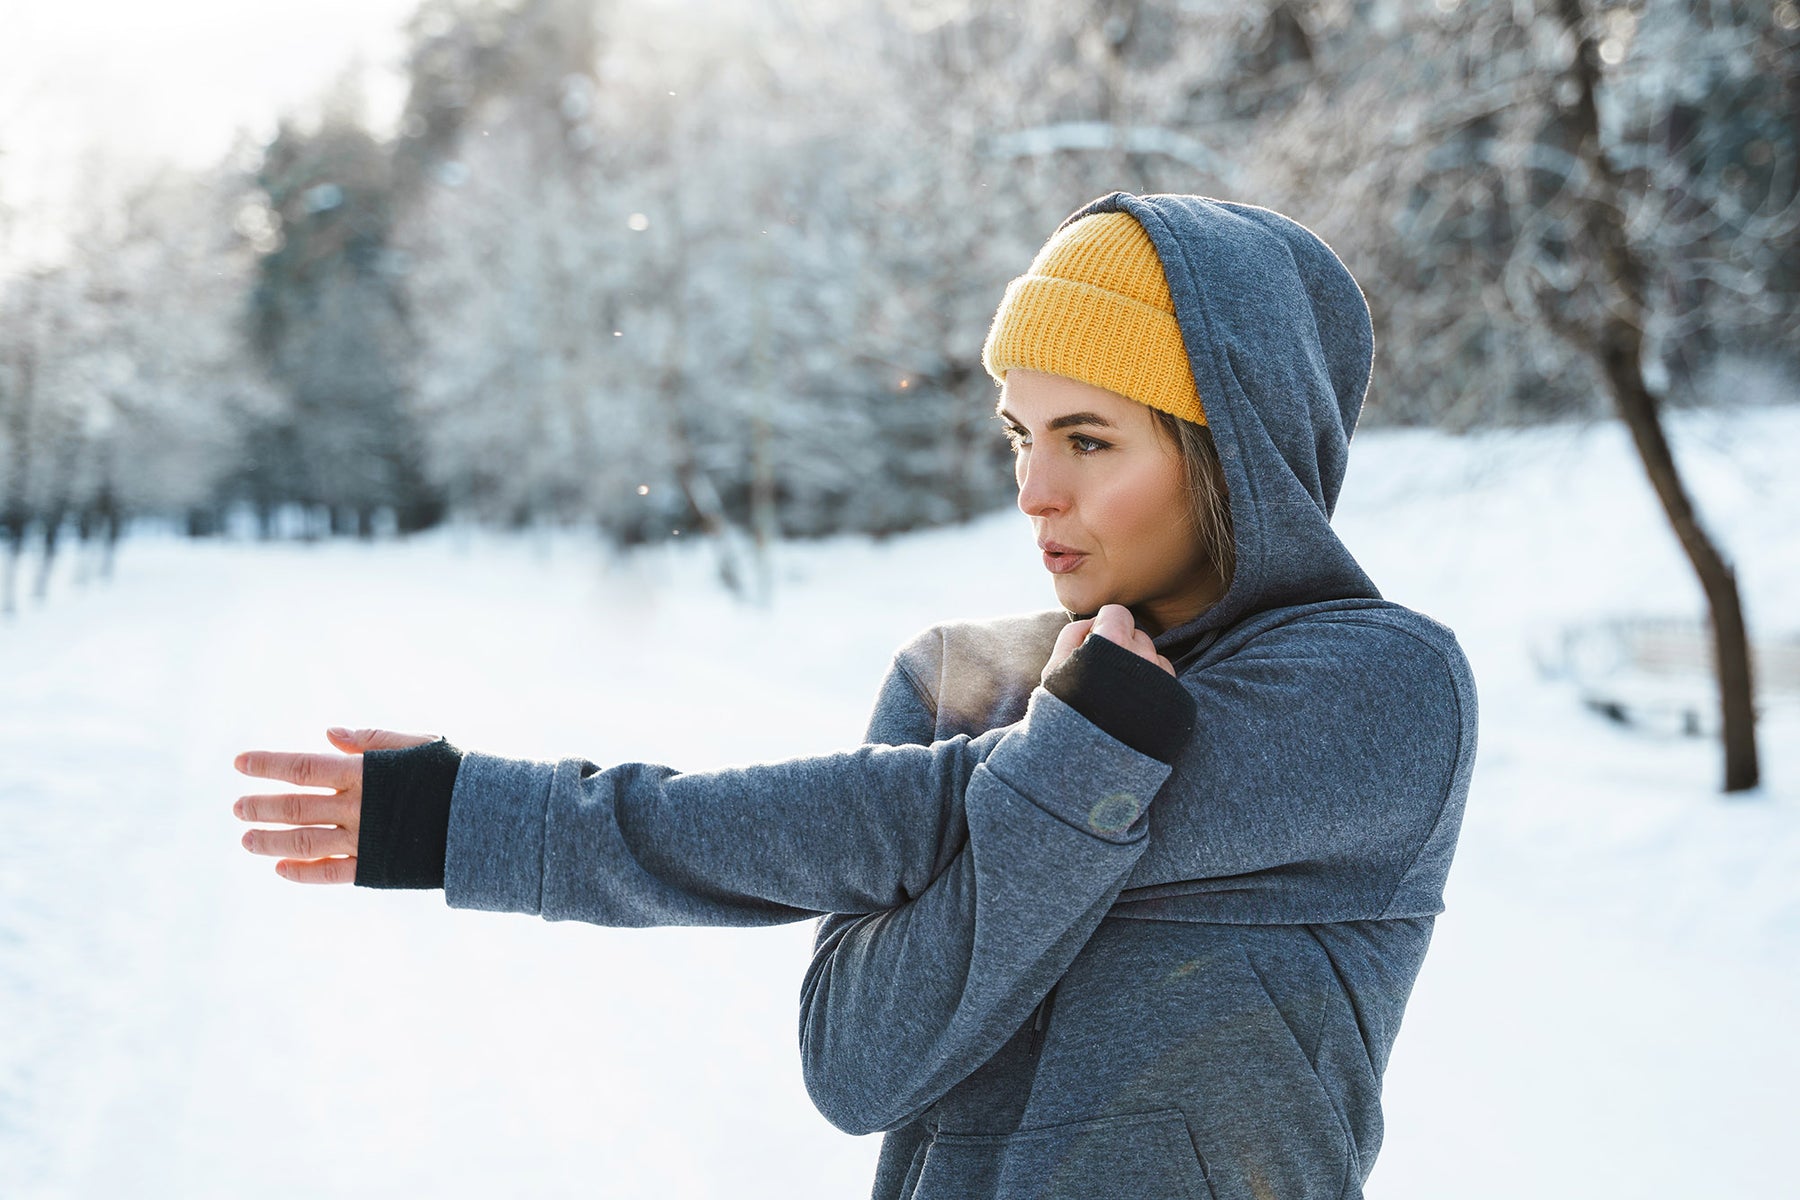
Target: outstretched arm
(637, 844)
(642, 844)
(859, 831)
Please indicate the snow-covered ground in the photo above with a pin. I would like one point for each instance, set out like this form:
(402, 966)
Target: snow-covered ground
(1611, 1007)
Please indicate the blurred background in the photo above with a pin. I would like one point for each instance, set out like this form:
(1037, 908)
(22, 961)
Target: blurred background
(602, 377)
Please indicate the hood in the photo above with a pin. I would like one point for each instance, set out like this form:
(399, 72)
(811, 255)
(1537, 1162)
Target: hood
(1281, 345)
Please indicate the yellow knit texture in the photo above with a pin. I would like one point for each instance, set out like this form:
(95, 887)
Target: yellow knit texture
(1095, 306)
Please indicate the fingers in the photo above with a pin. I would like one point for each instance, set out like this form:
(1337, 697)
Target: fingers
(313, 841)
(356, 741)
(323, 849)
(321, 870)
(299, 808)
(1115, 623)
(307, 770)
(1067, 638)
(1071, 636)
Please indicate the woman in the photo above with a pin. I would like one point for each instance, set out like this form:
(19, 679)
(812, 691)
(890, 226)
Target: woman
(1134, 914)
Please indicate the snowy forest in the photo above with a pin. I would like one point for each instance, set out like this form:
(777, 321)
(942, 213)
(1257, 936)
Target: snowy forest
(656, 270)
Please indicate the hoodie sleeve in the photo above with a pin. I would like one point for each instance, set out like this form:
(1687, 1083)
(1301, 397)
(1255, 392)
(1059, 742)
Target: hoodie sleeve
(1060, 802)
(639, 844)
(900, 1005)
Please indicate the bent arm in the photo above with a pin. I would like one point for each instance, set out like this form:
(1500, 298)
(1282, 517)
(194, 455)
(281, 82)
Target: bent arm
(1345, 759)
(899, 1006)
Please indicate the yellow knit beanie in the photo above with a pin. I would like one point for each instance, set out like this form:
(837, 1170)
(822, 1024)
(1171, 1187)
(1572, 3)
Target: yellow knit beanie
(1095, 306)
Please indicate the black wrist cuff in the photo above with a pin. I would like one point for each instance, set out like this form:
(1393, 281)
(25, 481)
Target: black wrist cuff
(1129, 697)
(405, 828)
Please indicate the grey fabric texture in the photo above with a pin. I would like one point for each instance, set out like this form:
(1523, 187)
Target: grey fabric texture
(1231, 939)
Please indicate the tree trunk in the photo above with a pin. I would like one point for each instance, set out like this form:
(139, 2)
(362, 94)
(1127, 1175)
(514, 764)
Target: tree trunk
(690, 473)
(1619, 348)
(107, 506)
(84, 535)
(53, 521)
(14, 523)
(15, 507)
(765, 525)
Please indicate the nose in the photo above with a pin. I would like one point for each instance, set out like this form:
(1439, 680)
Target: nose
(1042, 488)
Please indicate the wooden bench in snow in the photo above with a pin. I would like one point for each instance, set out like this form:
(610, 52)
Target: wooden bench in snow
(1657, 672)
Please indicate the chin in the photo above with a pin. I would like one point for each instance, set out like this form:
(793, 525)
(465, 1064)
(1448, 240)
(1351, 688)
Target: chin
(1082, 601)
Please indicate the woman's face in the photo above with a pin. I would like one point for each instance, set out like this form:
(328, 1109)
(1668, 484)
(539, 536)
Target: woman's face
(1106, 492)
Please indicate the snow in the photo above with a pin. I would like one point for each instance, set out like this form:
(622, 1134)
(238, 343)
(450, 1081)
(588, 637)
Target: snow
(1609, 1007)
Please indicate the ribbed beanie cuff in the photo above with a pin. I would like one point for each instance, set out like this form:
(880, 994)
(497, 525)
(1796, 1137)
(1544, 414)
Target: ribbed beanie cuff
(1095, 306)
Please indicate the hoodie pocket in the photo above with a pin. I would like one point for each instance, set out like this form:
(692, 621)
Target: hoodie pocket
(1148, 1156)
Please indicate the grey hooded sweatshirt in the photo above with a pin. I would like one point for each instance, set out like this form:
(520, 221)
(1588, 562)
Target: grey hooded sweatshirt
(1049, 963)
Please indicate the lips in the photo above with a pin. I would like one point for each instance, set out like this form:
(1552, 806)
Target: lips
(1060, 559)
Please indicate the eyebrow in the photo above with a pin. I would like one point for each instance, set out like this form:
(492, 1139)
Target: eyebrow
(1080, 418)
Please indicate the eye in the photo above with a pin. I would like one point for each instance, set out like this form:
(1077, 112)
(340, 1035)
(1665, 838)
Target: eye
(1018, 439)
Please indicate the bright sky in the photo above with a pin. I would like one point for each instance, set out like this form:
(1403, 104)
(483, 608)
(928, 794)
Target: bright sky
(138, 81)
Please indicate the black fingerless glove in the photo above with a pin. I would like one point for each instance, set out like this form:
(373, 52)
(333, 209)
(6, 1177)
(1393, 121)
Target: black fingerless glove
(405, 827)
(1127, 696)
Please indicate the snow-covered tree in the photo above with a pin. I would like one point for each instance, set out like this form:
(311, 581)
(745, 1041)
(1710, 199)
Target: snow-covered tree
(124, 374)
(1584, 203)
(329, 323)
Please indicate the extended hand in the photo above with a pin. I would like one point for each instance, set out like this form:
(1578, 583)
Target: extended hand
(323, 850)
(1114, 623)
